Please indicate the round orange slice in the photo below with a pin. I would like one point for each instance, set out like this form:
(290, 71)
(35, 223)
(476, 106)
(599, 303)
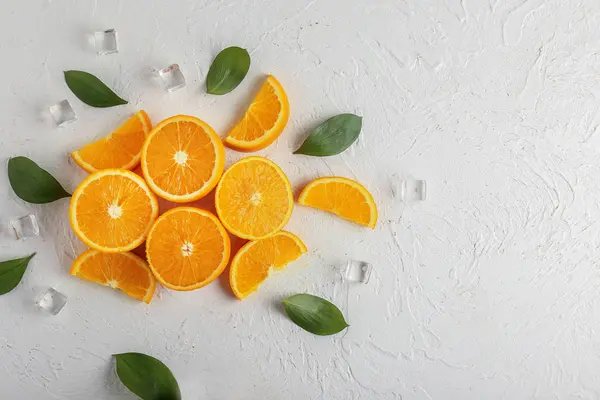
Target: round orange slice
(254, 262)
(182, 159)
(343, 197)
(120, 149)
(264, 120)
(124, 271)
(112, 210)
(254, 198)
(187, 248)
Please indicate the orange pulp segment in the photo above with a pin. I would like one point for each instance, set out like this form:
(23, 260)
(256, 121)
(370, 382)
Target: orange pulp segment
(124, 271)
(343, 197)
(182, 159)
(120, 149)
(254, 261)
(264, 120)
(254, 198)
(112, 210)
(187, 248)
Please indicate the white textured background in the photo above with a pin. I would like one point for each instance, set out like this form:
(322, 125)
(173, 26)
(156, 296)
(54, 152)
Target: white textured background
(488, 290)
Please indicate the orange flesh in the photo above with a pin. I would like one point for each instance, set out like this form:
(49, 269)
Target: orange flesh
(124, 271)
(343, 197)
(181, 159)
(187, 248)
(254, 198)
(120, 149)
(251, 266)
(133, 209)
(263, 114)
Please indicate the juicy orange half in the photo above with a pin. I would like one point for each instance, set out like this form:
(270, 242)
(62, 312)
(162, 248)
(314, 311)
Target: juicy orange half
(121, 149)
(254, 261)
(187, 248)
(182, 159)
(112, 210)
(264, 120)
(343, 197)
(124, 271)
(254, 198)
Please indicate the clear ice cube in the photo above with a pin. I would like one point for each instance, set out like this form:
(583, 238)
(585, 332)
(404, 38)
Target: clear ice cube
(62, 113)
(358, 271)
(26, 227)
(172, 77)
(106, 41)
(409, 189)
(52, 301)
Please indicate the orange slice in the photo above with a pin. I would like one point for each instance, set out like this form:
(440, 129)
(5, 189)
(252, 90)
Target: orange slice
(120, 149)
(187, 248)
(112, 210)
(254, 198)
(182, 159)
(343, 197)
(254, 261)
(264, 120)
(124, 271)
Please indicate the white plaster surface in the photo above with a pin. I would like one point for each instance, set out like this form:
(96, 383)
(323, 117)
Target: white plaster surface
(488, 290)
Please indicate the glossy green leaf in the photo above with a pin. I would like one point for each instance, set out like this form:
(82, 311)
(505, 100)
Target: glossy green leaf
(91, 90)
(333, 136)
(227, 70)
(314, 314)
(32, 183)
(11, 273)
(147, 377)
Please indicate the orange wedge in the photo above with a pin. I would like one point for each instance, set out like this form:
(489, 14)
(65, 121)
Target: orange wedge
(124, 271)
(343, 197)
(112, 210)
(254, 198)
(182, 159)
(120, 149)
(264, 120)
(254, 261)
(187, 248)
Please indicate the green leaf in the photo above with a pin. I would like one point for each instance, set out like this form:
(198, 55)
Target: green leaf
(147, 377)
(32, 183)
(314, 314)
(227, 70)
(91, 90)
(332, 136)
(11, 273)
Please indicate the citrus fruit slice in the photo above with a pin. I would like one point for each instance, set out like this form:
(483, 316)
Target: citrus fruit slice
(124, 271)
(120, 149)
(254, 261)
(187, 248)
(182, 159)
(264, 120)
(112, 210)
(343, 197)
(254, 198)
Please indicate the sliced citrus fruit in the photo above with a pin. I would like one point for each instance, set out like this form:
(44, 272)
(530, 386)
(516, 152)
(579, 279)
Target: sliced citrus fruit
(182, 159)
(120, 149)
(264, 120)
(343, 197)
(124, 271)
(254, 198)
(187, 248)
(112, 210)
(254, 261)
